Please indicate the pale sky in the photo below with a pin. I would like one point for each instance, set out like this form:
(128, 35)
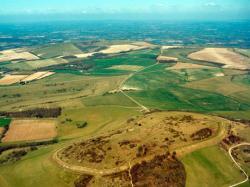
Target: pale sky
(162, 9)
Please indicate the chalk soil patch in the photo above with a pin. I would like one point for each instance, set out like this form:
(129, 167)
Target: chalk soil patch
(37, 76)
(222, 56)
(121, 48)
(181, 65)
(28, 130)
(84, 55)
(126, 67)
(9, 55)
(11, 79)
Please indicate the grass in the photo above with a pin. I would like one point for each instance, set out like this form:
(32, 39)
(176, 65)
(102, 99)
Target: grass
(117, 99)
(165, 89)
(56, 90)
(44, 63)
(51, 51)
(222, 85)
(4, 121)
(35, 64)
(234, 114)
(210, 167)
(245, 52)
(35, 169)
(99, 119)
(178, 98)
(103, 65)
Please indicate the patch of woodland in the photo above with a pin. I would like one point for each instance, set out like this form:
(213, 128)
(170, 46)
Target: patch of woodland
(161, 171)
(202, 134)
(16, 155)
(83, 180)
(232, 139)
(35, 113)
(32, 145)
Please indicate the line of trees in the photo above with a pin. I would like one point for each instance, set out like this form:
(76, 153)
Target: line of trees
(35, 113)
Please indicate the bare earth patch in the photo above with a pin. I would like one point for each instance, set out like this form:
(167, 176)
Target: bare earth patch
(37, 76)
(223, 56)
(46, 75)
(27, 130)
(11, 79)
(166, 59)
(126, 67)
(181, 65)
(219, 74)
(121, 48)
(172, 47)
(130, 88)
(84, 55)
(9, 55)
(143, 44)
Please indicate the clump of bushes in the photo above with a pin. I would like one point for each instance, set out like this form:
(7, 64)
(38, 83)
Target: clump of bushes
(81, 125)
(13, 156)
(83, 180)
(141, 151)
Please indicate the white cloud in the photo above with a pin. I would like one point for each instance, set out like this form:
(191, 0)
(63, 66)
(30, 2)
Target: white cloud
(211, 4)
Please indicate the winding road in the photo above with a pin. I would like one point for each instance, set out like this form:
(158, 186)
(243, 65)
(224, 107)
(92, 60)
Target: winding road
(238, 165)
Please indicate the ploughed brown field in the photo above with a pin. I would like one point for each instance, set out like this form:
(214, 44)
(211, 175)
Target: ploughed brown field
(27, 130)
(180, 65)
(9, 55)
(11, 79)
(122, 48)
(222, 56)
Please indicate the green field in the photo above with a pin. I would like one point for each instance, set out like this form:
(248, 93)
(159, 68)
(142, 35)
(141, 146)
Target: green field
(210, 167)
(36, 169)
(245, 52)
(63, 49)
(4, 121)
(52, 90)
(33, 65)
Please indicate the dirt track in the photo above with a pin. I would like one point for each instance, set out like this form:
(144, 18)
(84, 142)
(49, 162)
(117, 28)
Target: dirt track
(237, 164)
(144, 108)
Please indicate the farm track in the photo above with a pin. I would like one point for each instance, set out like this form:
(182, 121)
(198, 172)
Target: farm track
(144, 108)
(212, 141)
(237, 164)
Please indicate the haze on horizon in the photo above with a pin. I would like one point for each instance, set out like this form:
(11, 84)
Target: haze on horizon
(31, 10)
